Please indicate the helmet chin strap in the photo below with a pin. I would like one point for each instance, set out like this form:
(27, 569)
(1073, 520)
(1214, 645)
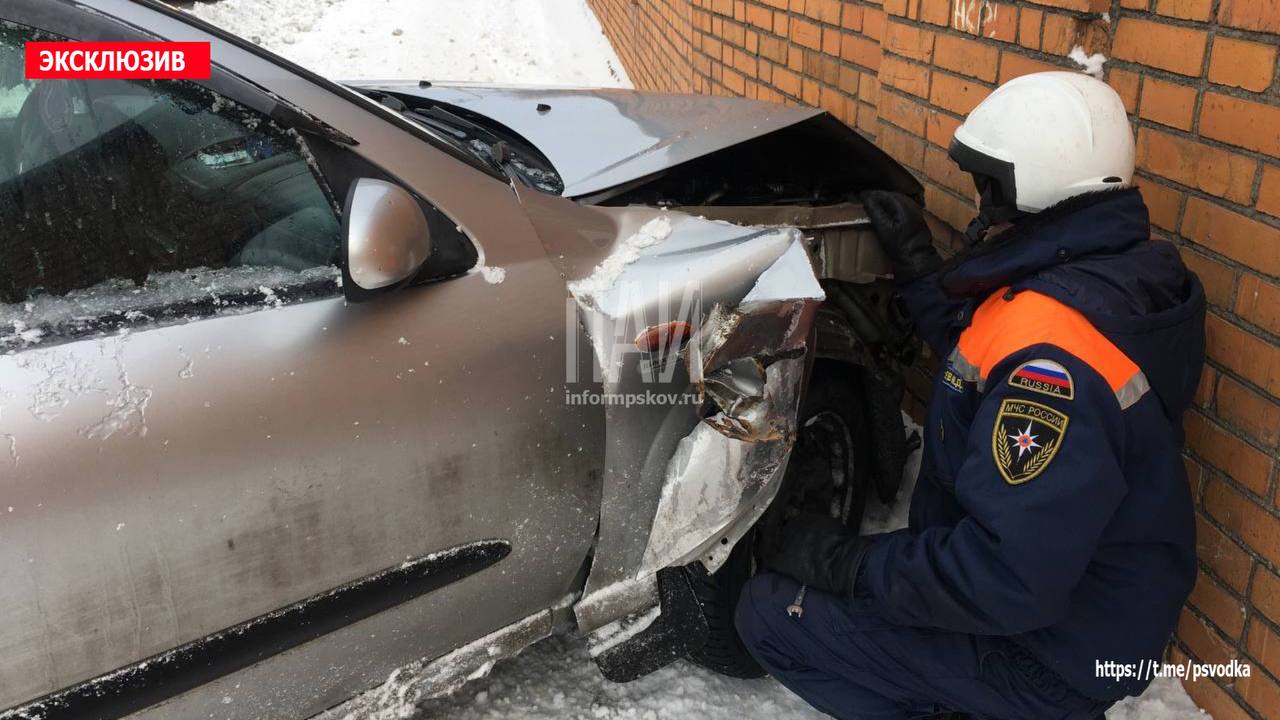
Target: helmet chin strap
(991, 212)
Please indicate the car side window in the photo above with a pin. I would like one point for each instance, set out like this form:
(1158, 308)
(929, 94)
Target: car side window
(121, 199)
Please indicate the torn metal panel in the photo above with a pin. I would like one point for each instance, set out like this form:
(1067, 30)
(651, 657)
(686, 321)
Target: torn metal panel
(683, 477)
(719, 483)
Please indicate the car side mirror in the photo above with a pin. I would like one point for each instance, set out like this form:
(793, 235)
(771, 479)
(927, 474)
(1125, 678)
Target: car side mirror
(385, 239)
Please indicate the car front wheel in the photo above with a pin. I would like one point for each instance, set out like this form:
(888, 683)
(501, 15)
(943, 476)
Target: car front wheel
(829, 472)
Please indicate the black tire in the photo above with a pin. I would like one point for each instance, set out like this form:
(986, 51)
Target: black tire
(832, 413)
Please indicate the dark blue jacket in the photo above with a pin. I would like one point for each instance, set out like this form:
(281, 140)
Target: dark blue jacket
(1052, 506)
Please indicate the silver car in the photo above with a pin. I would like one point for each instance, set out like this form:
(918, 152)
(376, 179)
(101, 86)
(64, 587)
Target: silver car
(309, 388)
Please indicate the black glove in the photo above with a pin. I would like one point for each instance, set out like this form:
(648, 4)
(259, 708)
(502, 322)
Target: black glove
(819, 552)
(905, 237)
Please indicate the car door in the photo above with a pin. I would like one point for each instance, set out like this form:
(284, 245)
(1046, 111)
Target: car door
(217, 478)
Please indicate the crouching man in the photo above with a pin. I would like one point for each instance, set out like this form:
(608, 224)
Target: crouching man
(1051, 529)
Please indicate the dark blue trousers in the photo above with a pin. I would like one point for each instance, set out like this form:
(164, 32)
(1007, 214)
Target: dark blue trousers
(846, 660)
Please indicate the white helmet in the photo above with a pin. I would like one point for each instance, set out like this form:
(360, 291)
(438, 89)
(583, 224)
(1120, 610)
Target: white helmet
(1042, 138)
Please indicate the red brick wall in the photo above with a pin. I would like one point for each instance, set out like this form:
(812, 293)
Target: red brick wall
(1198, 77)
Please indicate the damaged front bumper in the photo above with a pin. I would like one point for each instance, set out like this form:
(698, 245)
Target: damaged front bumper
(685, 481)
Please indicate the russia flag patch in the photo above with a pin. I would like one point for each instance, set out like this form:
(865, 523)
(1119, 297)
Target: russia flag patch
(1044, 376)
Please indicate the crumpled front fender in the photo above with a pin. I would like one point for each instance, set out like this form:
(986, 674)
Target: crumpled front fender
(684, 480)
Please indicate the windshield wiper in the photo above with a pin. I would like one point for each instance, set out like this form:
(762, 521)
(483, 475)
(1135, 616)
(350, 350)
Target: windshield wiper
(496, 151)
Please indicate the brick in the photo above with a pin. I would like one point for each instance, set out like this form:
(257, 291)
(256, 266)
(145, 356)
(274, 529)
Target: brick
(873, 23)
(936, 12)
(834, 102)
(1164, 203)
(1094, 6)
(774, 49)
(1260, 692)
(1196, 165)
(1263, 15)
(1250, 356)
(786, 81)
(1222, 555)
(1013, 65)
(1126, 84)
(966, 57)
(1247, 520)
(1203, 641)
(760, 17)
(1259, 302)
(861, 51)
(905, 76)
(1220, 606)
(902, 8)
(1242, 64)
(940, 128)
(1061, 33)
(1264, 646)
(1216, 703)
(1241, 122)
(1168, 103)
(1240, 238)
(827, 11)
(806, 33)
(1029, 28)
(1257, 416)
(1001, 23)
(956, 94)
(1265, 594)
(848, 82)
(851, 17)
(1220, 448)
(868, 88)
(868, 119)
(1168, 47)
(902, 146)
(736, 83)
(831, 41)
(903, 112)
(809, 91)
(1135, 4)
(953, 211)
(1269, 191)
(909, 41)
(1185, 9)
(939, 167)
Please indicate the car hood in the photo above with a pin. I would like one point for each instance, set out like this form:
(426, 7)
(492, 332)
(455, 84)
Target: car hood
(600, 138)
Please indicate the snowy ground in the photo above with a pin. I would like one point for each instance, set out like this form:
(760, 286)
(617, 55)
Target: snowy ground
(548, 42)
(556, 679)
(538, 42)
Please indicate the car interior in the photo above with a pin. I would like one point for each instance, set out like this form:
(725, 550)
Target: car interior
(122, 179)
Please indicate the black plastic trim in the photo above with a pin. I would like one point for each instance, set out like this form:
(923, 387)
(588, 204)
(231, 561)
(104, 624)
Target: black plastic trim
(980, 164)
(160, 677)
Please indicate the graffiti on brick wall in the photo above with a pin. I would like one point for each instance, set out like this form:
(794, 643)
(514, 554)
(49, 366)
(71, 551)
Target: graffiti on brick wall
(972, 15)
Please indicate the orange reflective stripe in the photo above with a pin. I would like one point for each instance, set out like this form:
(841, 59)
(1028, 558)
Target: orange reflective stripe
(1002, 327)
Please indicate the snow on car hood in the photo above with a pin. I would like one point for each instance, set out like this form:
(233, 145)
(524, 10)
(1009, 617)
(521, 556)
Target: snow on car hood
(597, 139)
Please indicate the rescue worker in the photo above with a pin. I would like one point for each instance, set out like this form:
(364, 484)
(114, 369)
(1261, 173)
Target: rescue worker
(1051, 542)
